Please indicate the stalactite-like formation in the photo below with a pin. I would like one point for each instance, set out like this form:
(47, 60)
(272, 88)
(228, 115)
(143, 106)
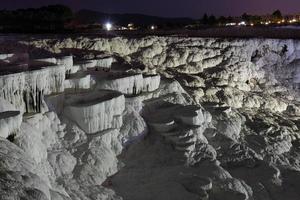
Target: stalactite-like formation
(26, 90)
(33, 101)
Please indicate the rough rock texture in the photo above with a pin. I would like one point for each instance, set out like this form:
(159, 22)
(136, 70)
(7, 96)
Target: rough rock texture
(202, 118)
(97, 111)
(10, 119)
(130, 84)
(33, 85)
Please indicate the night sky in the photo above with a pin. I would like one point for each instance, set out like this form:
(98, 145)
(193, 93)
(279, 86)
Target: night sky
(168, 8)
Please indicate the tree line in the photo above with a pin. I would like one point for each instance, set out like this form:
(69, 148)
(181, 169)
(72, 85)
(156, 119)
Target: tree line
(255, 19)
(54, 18)
(44, 19)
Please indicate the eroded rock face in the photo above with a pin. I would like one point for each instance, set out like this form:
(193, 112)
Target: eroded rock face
(10, 119)
(96, 111)
(185, 118)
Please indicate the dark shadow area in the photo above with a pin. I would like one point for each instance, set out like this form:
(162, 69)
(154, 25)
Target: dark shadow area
(17, 66)
(46, 19)
(11, 138)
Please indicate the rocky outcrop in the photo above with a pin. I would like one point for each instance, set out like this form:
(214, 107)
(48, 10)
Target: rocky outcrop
(152, 118)
(127, 83)
(78, 82)
(25, 90)
(97, 111)
(10, 119)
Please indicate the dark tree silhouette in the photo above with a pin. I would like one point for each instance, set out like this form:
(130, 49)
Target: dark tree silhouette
(277, 15)
(48, 18)
(204, 19)
(212, 20)
(246, 17)
(222, 20)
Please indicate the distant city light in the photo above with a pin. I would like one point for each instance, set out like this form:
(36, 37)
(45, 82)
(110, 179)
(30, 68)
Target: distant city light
(293, 21)
(242, 23)
(108, 26)
(230, 24)
(131, 26)
(152, 27)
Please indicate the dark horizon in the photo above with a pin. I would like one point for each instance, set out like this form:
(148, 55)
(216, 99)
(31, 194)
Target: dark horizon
(168, 8)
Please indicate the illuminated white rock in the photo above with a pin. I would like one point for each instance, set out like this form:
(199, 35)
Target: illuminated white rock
(78, 82)
(48, 79)
(97, 62)
(97, 111)
(104, 62)
(151, 83)
(10, 122)
(251, 88)
(12, 87)
(163, 125)
(86, 64)
(10, 119)
(134, 126)
(62, 162)
(41, 61)
(74, 69)
(297, 76)
(25, 90)
(130, 84)
(42, 82)
(66, 61)
(192, 115)
(17, 174)
(14, 58)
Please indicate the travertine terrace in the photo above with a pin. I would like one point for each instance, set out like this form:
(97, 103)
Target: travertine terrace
(149, 118)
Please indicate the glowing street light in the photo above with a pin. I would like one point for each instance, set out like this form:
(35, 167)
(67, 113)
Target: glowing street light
(242, 23)
(108, 26)
(153, 27)
(293, 20)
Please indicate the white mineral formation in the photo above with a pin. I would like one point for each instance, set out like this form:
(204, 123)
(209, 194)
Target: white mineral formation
(123, 82)
(97, 111)
(130, 84)
(149, 118)
(11, 58)
(66, 61)
(10, 119)
(103, 63)
(150, 83)
(78, 82)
